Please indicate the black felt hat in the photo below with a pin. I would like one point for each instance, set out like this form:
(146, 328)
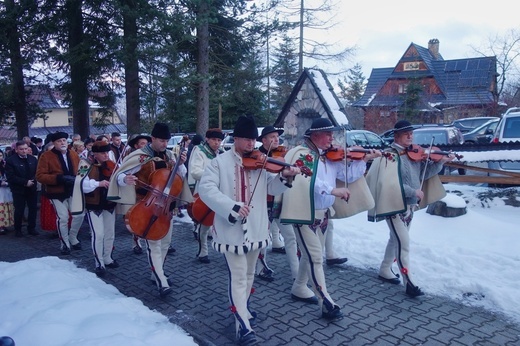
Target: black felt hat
(245, 127)
(58, 135)
(136, 139)
(267, 130)
(100, 147)
(215, 133)
(321, 124)
(402, 126)
(162, 131)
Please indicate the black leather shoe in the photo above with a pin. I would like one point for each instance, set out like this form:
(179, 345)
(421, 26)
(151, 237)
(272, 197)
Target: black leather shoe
(333, 315)
(204, 259)
(278, 249)
(248, 340)
(100, 272)
(112, 265)
(393, 281)
(266, 275)
(3, 231)
(171, 250)
(65, 251)
(164, 291)
(333, 261)
(18, 234)
(33, 232)
(413, 291)
(137, 250)
(76, 246)
(310, 300)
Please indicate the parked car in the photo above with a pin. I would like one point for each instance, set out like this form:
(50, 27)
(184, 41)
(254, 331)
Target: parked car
(441, 135)
(469, 124)
(175, 140)
(482, 134)
(365, 138)
(508, 130)
(388, 135)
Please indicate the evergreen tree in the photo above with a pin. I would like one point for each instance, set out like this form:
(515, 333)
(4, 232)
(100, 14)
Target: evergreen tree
(412, 100)
(353, 85)
(284, 72)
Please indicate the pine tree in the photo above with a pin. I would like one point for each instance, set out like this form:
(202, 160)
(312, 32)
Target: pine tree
(284, 72)
(353, 85)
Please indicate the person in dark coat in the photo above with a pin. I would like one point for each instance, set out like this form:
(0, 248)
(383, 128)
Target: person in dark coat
(20, 169)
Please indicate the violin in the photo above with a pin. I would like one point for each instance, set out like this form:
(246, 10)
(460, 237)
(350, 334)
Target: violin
(335, 153)
(417, 153)
(258, 160)
(279, 151)
(150, 218)
(108, 167)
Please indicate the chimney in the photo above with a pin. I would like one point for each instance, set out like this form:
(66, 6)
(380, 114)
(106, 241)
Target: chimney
(433, 47)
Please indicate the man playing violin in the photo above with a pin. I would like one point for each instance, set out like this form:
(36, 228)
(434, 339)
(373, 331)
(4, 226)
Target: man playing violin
(240, 230)
(91, 195)
(128, 186)
(309, 215)
(398, 184)
(200, 157)
(270, 138)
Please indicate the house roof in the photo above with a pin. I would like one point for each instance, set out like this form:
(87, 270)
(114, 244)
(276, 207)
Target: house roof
(41, 95)
(10, 134)
(461, 81)
(326, 95)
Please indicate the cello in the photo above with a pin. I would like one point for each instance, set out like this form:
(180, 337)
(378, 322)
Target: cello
(150, 218)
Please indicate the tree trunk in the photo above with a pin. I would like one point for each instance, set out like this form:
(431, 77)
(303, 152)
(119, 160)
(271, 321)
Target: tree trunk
(203, 68)
(131, 63)
(78, 59)
(20, 108)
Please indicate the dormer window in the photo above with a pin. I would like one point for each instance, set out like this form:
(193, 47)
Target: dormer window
(402, 88)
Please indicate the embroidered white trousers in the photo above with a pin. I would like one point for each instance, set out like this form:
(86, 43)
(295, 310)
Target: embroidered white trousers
(102, 234)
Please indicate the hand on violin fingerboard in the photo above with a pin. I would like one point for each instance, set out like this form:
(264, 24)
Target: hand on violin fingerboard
(290, 171)
(447, 158)
(372, 155)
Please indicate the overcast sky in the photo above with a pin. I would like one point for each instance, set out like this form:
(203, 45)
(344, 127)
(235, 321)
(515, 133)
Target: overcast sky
(382, 31)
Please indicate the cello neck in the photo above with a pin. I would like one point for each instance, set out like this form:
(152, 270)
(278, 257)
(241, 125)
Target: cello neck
(173, 172)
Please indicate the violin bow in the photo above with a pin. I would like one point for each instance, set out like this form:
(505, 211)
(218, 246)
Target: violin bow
(346, 161)
(426, 166)
(244, 220)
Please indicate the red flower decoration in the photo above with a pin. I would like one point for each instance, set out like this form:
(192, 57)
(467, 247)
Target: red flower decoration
(309, 158)
(233, 309)
(404, 271)
(299, 163)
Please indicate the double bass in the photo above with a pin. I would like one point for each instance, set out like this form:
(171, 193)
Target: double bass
(150, 218)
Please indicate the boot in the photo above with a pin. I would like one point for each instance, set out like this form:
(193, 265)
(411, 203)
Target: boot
(18, 233)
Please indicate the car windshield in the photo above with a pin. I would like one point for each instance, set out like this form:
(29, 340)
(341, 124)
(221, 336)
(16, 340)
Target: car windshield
(512, 128)
(425, 137)
(482, 129)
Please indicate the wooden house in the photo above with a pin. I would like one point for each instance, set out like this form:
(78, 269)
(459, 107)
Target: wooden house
(449, 89)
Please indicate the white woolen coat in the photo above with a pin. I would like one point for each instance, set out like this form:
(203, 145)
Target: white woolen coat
(221, 188)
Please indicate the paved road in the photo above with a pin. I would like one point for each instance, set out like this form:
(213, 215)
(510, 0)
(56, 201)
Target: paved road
(376, 313)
